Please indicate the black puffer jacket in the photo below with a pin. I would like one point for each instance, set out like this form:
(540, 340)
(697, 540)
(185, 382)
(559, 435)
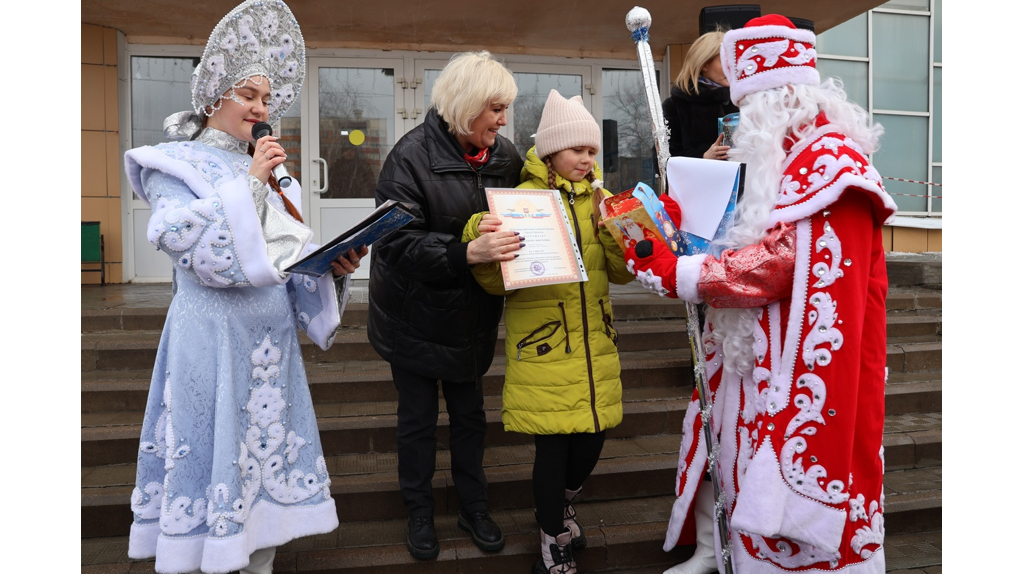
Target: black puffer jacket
(693, 119)
(427, 314)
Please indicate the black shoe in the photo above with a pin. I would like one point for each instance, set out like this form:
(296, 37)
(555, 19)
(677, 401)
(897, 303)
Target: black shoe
(486, 534)
(422, 541)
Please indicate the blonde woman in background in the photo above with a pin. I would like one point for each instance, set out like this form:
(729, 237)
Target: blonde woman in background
(700, 95)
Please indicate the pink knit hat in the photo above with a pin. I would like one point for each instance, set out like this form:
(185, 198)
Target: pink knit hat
(565, 124)
(769, 52)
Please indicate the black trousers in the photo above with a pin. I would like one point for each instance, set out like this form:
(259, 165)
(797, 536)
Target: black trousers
(417, 442)
(563, 461)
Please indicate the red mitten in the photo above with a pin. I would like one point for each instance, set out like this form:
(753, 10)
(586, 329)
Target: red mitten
(656, 270)
(675, 213)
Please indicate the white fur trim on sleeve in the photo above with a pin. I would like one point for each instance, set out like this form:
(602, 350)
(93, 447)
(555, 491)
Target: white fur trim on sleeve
(250, 247)
(766, 505)
(687, 275)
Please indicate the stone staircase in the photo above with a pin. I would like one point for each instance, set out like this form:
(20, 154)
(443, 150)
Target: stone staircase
(625, 503)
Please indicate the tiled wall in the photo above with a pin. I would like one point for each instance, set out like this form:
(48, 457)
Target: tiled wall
(912, 240)
(101, 161)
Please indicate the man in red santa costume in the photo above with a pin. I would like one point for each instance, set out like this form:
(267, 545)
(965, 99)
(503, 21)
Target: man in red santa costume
(795, 332)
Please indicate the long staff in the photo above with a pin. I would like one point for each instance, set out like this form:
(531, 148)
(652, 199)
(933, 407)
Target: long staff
(638, 21)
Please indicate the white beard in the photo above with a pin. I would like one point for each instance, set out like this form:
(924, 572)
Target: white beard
(766, 119)
(758, 143)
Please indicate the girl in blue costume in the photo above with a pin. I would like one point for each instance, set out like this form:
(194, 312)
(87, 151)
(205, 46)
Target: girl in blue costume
(230, 463)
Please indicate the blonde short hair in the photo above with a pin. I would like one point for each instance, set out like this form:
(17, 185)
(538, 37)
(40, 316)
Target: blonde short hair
(704, 49)
(467, 85)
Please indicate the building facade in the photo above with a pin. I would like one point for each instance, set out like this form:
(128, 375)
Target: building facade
(357, 102)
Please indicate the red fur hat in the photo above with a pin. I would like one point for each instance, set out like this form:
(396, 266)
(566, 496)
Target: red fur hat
(768, 52)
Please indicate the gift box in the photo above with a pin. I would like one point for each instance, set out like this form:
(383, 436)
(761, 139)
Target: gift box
(637, 214)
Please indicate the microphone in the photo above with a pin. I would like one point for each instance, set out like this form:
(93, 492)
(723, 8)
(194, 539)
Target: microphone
(262, 129)
(644, 248)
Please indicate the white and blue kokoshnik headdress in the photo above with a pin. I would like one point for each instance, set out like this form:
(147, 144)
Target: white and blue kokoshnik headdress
(256, 38)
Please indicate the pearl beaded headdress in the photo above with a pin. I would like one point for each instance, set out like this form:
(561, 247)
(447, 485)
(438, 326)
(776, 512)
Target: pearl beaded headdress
(256, 38)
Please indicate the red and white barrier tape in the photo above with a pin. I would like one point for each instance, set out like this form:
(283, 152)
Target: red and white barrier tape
(912, 195)
(912, 181)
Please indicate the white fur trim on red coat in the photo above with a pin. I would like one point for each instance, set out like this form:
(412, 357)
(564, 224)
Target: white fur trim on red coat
(867, 180)
(768, 506)
(687, 275)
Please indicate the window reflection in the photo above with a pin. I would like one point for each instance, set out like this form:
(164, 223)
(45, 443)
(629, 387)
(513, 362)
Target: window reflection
(529, 104)
(628, 146)
(160, 87)
(356, 123)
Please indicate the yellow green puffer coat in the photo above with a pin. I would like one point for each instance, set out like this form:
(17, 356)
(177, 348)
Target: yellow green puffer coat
(562, 367)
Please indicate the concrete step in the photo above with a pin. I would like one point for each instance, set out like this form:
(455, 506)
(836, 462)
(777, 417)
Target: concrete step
(631, 466)
(630, 303)
(626, 305)
(119, 351)
(370, 380)
(112, 436)
(359, 428)
(137, 350)
(913, 355)
(914, 553)
(915, 282)
(622, 535)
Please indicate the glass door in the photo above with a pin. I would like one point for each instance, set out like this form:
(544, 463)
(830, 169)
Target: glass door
(353, 122)
(426, 74)
(535, 82)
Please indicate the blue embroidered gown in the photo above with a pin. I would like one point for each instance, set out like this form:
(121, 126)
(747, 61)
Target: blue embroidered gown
(230, 458)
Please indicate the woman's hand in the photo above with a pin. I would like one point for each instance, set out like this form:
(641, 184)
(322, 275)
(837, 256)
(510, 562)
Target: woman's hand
(489, 223)
(717, 150)
(267, 155)
(493, 245)
(348, 262)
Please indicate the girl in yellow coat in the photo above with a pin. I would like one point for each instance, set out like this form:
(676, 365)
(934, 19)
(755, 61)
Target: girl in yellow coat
(562, 368)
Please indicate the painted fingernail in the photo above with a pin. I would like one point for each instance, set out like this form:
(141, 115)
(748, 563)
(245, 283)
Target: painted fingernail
(516, 232)
(516, 255)
(521, 245)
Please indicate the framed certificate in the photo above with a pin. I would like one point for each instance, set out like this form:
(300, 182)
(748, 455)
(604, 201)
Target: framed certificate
(551, 254)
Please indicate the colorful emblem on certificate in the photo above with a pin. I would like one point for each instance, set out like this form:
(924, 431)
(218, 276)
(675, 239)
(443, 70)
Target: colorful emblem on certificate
(550, 254)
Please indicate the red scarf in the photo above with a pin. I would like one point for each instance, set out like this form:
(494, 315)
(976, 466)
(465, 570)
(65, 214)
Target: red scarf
(477, 160)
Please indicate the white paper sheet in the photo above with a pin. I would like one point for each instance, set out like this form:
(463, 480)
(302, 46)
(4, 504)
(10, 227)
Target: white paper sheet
(702, 187)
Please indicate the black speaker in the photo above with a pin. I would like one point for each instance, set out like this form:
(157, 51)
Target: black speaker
(610, 145)
(730, 17)
(802, 23)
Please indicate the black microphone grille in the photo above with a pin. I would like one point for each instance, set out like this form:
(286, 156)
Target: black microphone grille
(261, 129)
(644, 248)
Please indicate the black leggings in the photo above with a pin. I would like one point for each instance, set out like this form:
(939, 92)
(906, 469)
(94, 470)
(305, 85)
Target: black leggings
(562, 462)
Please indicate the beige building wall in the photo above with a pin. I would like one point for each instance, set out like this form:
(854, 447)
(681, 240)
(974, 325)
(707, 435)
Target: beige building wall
(101, 159)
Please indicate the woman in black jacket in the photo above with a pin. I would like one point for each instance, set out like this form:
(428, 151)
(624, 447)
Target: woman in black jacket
(700, 95)
(428, 317)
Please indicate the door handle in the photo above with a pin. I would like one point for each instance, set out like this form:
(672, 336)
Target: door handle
(323, 163)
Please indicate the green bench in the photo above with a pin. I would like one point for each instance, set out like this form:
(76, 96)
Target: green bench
(92, 249)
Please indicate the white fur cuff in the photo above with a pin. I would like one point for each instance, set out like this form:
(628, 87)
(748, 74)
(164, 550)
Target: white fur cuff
(766, 505)
(687, 275)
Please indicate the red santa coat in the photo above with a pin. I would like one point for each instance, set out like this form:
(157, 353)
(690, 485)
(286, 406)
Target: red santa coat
(801, 440)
